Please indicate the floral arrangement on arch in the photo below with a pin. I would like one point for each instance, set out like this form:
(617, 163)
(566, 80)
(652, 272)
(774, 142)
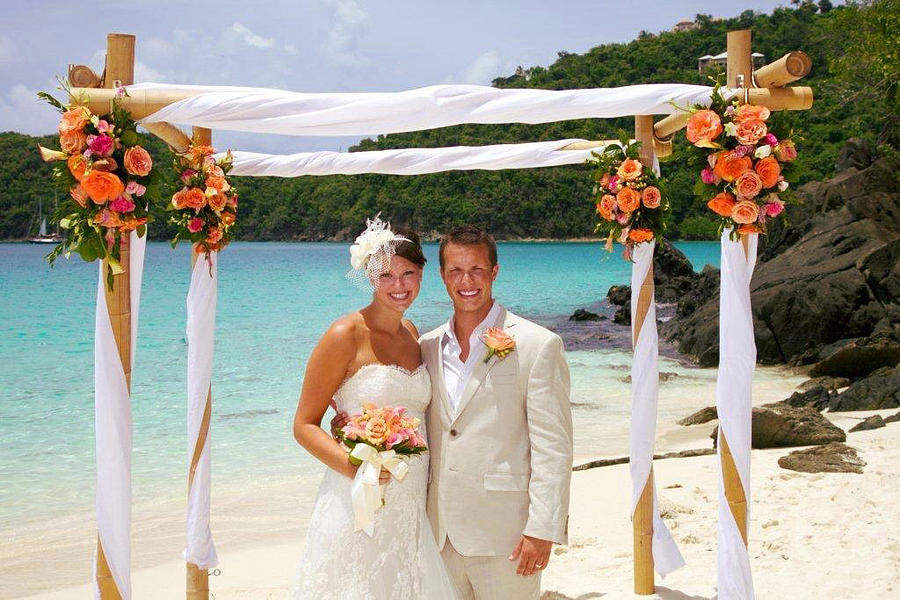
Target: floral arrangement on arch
(745, 163)
(109, 179)
(205, 208)
(629, 197)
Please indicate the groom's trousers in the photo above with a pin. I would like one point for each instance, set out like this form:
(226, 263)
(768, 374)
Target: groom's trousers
(489, 577)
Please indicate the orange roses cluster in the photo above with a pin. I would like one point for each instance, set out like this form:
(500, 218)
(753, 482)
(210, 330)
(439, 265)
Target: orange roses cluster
(744, 162)
(107, 174)
(206, 205)
(627, 196)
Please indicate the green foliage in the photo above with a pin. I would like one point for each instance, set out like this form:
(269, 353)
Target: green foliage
(854, 76)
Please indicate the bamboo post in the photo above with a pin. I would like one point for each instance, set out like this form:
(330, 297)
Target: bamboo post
(119, 67)
(739, 69)
(642, 519)
(789, 68)
(197, 578)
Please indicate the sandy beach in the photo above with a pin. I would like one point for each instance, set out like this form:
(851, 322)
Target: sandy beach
(823, 536)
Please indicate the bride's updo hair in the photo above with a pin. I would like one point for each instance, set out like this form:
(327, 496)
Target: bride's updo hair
(410, 250)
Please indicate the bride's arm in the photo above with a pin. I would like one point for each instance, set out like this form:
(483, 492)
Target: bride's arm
(325, 371)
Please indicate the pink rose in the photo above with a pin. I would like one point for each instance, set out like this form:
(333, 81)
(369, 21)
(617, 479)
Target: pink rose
(102, 145)
(651, 197)
(774, 209)
(122, 205)
(786, 151)
(614, 184)
(707, 176)
(195, 225)
(187, 174)
(376, 427)
(770, 139)
(133, 187)
(104, 127)
(622, 218)
(751, 131)
(742, 151)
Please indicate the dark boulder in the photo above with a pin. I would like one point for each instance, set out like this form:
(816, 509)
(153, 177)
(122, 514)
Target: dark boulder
(817, 397)
(873, 422)
(858, 358)
(881, 389)
(832, 384)
(830, 458)
(780, 425)
(704, 415)
(892, 419)
(585, 315)
(619, 295)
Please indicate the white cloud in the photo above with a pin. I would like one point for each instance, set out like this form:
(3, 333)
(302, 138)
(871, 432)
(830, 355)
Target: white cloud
(144, 72)
(243, 34)
(341, 44)
(484, 68)
(291, 49)
(7, 51)
(156, 48)
(21, 110)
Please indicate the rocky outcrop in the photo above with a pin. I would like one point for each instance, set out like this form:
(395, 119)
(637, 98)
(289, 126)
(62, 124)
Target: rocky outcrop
(835, 274)
(585, 315)
(873, 422)
(704, 415)
(858, 358)
(817, 397)
(892, 419)
(830, 458)
(780, 425)
(831, 384)
(881, 389)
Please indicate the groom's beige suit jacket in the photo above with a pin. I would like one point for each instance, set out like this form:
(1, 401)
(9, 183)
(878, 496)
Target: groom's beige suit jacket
(501, 465)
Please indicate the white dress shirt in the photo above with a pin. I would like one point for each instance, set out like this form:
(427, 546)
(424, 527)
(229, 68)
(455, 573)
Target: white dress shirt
(457, 372)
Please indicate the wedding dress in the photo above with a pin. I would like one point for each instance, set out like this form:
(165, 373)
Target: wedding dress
(401, 560)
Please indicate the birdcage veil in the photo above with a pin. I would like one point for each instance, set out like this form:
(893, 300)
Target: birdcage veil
(371, 253)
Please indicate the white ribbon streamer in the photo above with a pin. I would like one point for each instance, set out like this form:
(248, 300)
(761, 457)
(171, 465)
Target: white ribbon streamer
(370, 113)
(737, 361)
(201, 319)
(644, 400)
(112, 422)
(412, 161)
(366, 492)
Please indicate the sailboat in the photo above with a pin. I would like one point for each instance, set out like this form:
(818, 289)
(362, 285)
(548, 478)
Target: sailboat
(43, 237)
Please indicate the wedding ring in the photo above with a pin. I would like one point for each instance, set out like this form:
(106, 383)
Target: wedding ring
(539, 566)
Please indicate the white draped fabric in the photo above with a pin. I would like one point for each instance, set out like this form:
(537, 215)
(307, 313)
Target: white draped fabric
(644, 399)
(112, 422)
(737, 361)
(370, 113)
(201, 319)
(412, 161)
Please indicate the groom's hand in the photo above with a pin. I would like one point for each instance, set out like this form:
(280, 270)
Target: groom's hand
(339, 420)
(533, 555)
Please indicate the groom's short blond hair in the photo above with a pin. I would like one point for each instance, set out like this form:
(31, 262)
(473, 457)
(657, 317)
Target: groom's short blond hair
(469, 235)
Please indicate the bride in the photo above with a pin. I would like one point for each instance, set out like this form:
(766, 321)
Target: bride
(370, 356)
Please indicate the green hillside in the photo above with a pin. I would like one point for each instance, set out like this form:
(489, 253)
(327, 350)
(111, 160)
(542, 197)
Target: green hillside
(856, 96)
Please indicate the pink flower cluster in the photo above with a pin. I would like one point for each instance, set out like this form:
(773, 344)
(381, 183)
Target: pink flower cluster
(385, 428)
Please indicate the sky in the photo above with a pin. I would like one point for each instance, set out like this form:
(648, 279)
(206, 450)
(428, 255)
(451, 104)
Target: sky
(312, 45)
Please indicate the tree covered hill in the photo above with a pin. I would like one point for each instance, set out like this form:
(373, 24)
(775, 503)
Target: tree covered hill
(552, 202)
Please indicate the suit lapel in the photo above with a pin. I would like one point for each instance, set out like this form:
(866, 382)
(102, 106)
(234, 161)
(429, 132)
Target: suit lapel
(479, 372)
(437, 359)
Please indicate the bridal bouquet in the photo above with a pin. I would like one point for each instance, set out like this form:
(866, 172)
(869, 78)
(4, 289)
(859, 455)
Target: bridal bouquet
(109, 179)
(744, 161)
(378, 438)
(629, 197)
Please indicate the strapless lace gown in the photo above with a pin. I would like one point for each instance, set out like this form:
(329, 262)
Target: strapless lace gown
(401, 560)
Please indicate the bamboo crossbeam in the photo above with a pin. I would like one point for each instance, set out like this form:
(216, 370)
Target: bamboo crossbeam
(171, 135)
(787, 69)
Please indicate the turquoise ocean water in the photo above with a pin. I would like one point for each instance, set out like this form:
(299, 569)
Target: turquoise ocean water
(275, 300)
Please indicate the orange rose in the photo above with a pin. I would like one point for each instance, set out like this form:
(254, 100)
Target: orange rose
(102, 187)
(194, 198)
(79, 195)
(786, 151)
(628, 199)
(198, 152)
(217, 202)
(748, 184)
(227, 218)
(607, 207)
(744, 212)
(703, 126)
(178, 198)
(74, 119)
(651, 197)
(77, 166)
(105, 164)
(751, 131)
(769, 171)
(729, 166)
(749, 112)
(107, 218)
(630, 169)
(217, 183)
(131, 223)
(640, 235)
(214, 234)
(73, 141)
(750, 228)
(722, 204)
(137, 161)
(216, 171)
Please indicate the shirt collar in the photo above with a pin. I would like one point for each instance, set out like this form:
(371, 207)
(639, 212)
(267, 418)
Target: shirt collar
(490, 319)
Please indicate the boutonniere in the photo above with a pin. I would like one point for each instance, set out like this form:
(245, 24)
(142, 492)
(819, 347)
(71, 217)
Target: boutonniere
(499, 343)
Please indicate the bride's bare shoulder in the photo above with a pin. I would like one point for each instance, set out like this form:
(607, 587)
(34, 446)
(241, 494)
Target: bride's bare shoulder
(346, 329)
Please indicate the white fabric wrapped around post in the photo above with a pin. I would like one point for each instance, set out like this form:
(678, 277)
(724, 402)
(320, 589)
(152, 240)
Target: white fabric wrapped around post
(412, 161)
(737, 361)
(644, 400)
(113, 427)
(201, 319)
(263, 110)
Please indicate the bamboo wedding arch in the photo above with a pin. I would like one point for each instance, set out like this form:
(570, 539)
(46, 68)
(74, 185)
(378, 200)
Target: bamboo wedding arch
(766, 86)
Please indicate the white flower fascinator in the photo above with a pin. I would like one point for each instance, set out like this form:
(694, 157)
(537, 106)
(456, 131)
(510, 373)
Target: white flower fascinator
(371, 253)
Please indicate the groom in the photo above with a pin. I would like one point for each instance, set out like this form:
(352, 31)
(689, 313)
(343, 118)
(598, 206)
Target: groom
(499, 432)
